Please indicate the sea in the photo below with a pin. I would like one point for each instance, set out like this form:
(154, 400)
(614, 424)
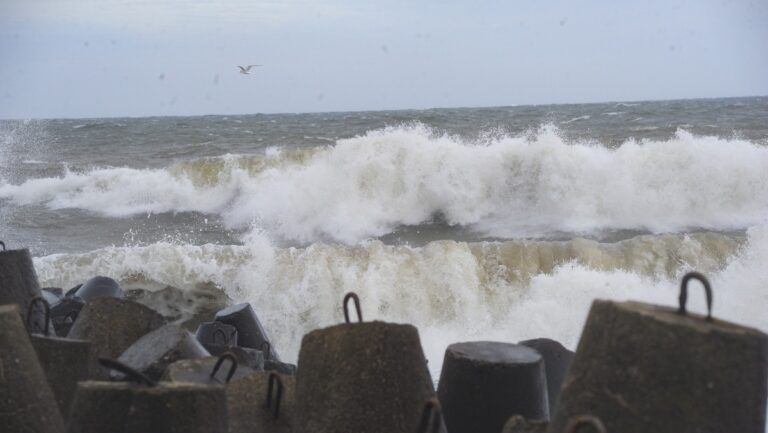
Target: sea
(500, 223)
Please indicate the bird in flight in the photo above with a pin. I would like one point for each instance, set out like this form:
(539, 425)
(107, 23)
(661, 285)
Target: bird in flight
(245, 70)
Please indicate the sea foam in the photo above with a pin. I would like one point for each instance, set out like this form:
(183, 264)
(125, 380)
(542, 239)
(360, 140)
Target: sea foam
(452, 291)
(501, 187)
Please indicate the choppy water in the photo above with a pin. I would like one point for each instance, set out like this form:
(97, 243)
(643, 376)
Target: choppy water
(482, 223)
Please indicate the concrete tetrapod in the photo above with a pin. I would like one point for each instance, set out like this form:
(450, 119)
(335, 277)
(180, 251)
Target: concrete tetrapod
(27, 403)
(263, 402)
(252, 404)
(145, 406)
(219, 338)
(483, 383)
(361, 377)
(557, 360)
(18, 280)
(154, 352)
(99, 287)
(112, 325)
(64, 314)
(250, 333)
(274, 364)
(217, 334)
(245, 355)
(64, 361)
(207, 371)
(648, 368)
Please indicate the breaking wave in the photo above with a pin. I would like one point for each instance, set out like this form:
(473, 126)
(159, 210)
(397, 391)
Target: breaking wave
(452, 291)
(501, 187)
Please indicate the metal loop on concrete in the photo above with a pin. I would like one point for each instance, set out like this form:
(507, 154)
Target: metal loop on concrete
(223, 335)
(268, 351)
(3, 245)
(575, 424)
(47, 308)
(274, 377)
(353, 296)
(233, 365)
(432, 414)
(684, 292)
(132, 374)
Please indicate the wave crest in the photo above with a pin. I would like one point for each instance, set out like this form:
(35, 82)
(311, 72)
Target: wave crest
(451, 290)
(501, 187)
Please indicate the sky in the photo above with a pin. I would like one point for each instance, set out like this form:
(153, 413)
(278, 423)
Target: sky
(113, 58)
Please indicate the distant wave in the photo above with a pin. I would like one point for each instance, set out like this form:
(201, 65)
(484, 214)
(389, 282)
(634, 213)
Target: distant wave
(99, 124)
(453, 291)
(576, 119)
(502, 187)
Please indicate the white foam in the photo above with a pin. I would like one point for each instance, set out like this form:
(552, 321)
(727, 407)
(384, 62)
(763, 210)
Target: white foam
(507, 187)
(452, 291)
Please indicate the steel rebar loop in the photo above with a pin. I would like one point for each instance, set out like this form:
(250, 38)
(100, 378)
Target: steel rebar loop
(268, 351)
(684, 292)
(46, 308)
(232, 369)
(353, 296)
(223, 336)
(432, 414)
(274, 377)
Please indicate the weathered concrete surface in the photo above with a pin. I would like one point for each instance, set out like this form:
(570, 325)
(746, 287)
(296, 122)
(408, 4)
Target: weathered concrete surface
(248, 413)
(245, 355)
(365, 377)
(199, 371)
(216, 333)
(483, 383)
(64, 314)
(27, 403)
(65, 362)
(645, 368)
(155, 351)
(18, 281)
(112, 325)
(112, 407)
(250, 333)
(99, 287)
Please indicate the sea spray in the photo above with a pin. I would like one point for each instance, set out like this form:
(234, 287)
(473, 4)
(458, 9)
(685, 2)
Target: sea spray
(452, 291)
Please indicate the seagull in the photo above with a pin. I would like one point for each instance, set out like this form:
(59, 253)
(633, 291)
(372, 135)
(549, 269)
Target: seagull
(244, 70)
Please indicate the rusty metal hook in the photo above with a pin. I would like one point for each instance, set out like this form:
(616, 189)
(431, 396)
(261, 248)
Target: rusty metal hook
(134, 375)
(353, 296)
(684, 292)
(584, 420)
(47, 308)
(232, 359)
(268, 352)
(274, 377)
(432, 414)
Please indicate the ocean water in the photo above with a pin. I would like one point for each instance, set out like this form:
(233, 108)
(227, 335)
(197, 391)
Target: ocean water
(472, 224)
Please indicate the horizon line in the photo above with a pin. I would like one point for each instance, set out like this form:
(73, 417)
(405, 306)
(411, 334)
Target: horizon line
(296, 113)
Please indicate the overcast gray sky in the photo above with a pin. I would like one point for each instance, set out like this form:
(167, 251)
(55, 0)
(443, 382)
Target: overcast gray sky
(104, 58)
